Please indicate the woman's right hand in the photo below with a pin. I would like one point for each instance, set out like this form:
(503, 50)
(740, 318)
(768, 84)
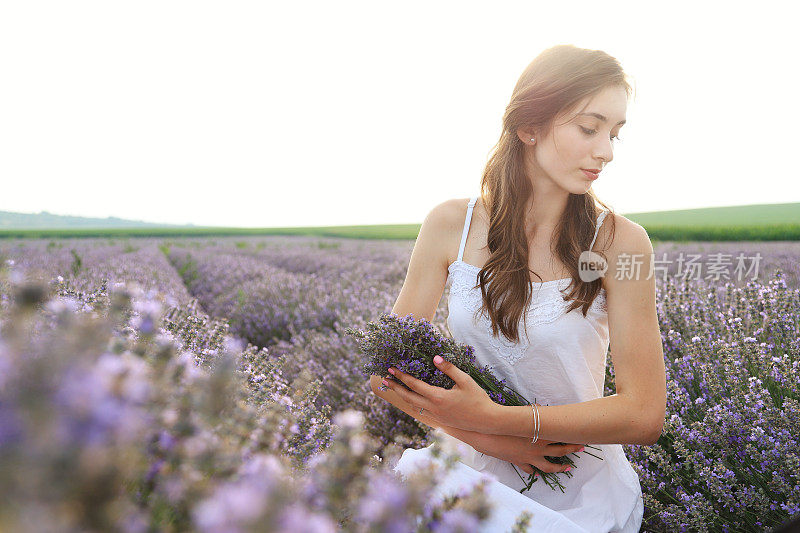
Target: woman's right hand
(522, 453)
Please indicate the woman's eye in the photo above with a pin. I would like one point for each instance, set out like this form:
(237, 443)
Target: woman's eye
(592, 132)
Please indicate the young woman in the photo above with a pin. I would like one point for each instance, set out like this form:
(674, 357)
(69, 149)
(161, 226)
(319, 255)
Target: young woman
(520, 295)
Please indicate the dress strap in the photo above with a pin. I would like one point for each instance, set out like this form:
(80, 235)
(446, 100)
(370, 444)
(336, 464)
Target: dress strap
(470, 206)
(600, 219)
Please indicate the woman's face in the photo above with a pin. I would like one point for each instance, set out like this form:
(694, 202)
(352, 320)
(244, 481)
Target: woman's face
(579, 140)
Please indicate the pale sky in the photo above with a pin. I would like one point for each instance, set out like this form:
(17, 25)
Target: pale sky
(261, 114)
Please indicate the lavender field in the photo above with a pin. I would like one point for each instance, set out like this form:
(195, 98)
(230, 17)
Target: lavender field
(207, 384)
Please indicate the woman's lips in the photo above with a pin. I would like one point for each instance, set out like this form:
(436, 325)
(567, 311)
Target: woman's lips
(590, 175)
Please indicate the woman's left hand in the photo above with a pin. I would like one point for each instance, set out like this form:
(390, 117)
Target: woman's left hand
(466, 406)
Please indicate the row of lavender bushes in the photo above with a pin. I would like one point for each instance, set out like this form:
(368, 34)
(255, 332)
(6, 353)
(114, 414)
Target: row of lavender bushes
(350, 281)
(119, 412)
(728, 457)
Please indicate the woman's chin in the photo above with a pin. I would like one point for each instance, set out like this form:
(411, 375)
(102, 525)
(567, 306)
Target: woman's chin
(582, 188)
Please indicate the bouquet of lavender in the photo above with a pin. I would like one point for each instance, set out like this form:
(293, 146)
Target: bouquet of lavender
(410, 346)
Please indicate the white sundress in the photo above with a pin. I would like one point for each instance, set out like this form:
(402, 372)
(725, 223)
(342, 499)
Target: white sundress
(561, 361)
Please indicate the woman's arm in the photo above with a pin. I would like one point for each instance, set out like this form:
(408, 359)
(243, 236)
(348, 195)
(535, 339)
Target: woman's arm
(636, 413)
(518, 451)
(608, 420)
(436, 244)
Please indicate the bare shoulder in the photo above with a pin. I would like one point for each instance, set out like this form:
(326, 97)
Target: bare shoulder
(625, 244)
(450, 209)
(428, 267)
(445, 223)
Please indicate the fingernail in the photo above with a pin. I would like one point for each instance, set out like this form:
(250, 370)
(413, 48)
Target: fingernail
(391, 371)
(385, 382)
(438, 360)
(582, 448)
(568, 469)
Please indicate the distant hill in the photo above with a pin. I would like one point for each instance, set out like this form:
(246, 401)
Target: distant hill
(737, 215)
(741, 222)
(45, 220)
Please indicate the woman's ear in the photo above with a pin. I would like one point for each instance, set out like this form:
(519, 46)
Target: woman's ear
(525, 135)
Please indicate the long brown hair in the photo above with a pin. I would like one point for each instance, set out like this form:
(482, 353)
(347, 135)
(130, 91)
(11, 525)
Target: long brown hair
(555, 81)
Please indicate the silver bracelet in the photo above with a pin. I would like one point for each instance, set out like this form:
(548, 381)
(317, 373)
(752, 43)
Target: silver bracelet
(533, 417)
(536, 423)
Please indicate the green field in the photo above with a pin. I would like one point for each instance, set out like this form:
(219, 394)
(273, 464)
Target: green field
(765, 222)
(738, 216)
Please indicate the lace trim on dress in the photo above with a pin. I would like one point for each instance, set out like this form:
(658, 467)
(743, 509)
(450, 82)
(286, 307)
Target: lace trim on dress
(547, 305)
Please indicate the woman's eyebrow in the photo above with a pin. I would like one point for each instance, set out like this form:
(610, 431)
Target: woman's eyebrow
(601, 117)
